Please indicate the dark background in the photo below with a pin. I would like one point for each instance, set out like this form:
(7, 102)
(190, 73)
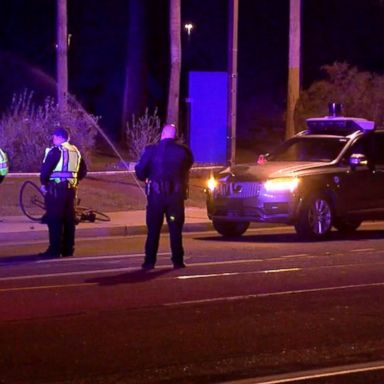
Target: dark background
(342, 30)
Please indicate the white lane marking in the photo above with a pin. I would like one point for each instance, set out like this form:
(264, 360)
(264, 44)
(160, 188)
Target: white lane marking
(88, 272)
(102, 271)
(73, 273)
(284, 259)
(363, 250)
(159, 267)
(296, 255)
(186, 277)
(40, 287)
(244, 261)
(280, 270)
(314, 374)
(268, 294)
(74, 259)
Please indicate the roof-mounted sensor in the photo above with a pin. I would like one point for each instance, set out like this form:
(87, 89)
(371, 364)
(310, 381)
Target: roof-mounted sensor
(342, 126)
(336, 124)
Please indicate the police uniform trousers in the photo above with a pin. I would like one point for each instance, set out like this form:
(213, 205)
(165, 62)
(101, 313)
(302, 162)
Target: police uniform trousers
(60, 206)
(172, 206)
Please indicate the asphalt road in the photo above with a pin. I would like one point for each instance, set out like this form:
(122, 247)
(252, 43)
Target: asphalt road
(259, 306)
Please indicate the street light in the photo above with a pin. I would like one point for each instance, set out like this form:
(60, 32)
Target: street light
(188, 27)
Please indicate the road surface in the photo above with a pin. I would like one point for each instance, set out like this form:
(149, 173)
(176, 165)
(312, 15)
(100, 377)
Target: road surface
(258, 306)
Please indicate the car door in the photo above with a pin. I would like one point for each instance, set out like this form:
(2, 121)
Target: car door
(357, 184)
(377, 150)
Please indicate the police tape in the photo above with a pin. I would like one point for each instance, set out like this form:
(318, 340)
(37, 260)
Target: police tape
(111, 173)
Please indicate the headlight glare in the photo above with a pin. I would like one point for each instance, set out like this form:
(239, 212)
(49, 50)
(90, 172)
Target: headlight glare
(282, 184)
(212, 184)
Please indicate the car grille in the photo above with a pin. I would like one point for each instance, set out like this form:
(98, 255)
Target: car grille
(238, 190)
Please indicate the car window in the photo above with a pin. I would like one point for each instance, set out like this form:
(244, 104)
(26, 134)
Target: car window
(309, 149)
(370, 145)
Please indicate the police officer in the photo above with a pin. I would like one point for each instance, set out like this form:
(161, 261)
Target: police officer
(62, 168)
(165, 168)
(3, 165)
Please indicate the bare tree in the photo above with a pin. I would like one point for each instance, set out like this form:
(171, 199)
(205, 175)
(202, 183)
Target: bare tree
(294, 64)
(62, 56)
(174, 78)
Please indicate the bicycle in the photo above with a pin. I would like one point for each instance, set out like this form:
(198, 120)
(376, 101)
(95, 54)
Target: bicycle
(31, 202)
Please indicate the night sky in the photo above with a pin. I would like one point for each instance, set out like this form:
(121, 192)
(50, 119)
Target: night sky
(342, 30)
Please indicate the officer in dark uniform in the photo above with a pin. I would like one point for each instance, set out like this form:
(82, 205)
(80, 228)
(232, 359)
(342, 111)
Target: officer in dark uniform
(165, 168)
(62, 168)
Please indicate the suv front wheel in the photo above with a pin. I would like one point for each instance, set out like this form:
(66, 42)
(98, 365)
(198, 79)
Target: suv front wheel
(315, 218)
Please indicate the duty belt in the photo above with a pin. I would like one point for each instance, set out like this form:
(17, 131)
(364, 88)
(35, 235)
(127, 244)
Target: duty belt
(163, 187)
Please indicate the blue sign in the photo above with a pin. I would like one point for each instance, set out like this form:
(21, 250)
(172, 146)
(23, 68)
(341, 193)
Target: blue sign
(208, 98)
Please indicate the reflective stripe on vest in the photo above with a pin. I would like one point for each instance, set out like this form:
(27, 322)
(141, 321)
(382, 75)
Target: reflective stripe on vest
(68, 175)
(67, 167)
(3, 163)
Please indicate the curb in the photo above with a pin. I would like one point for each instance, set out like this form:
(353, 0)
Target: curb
(39, 232)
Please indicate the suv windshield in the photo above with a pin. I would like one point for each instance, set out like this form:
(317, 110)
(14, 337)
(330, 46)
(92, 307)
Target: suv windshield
(322, 149)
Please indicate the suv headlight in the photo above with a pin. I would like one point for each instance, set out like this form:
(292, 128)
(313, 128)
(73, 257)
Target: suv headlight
(212, 184)
(282, 184)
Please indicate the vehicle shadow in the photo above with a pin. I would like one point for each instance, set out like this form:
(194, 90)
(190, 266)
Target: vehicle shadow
(359, 235)
(133, 277)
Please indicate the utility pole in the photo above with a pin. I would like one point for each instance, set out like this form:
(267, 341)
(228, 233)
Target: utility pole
(62, 56)
(174, 78)
(294, 65)
(232, 80)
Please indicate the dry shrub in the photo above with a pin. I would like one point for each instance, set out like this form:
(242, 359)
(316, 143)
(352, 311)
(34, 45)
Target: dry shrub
(142, 132)
(26, 128)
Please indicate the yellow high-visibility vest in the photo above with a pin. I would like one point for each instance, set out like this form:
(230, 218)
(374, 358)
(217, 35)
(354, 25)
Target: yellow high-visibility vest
(68, 165)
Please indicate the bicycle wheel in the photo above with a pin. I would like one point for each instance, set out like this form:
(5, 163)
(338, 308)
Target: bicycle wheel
(100, 216)
(31, 201)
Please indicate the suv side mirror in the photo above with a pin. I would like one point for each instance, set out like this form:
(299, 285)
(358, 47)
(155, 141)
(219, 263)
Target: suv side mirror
(357, 159)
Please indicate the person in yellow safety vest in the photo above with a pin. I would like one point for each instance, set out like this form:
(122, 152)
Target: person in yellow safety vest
(3, 165)
(62, 168)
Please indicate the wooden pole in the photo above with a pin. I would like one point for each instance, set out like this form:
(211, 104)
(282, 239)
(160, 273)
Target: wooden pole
(174, 80)
(232, 81)
(294, 65)
(62, 56)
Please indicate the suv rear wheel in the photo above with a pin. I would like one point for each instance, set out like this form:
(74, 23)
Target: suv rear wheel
(230, 228)
(315, 218)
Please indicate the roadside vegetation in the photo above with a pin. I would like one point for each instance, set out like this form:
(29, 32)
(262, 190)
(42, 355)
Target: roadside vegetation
(26, 128)
(360, 93)
(25, 132)
(142, 131)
